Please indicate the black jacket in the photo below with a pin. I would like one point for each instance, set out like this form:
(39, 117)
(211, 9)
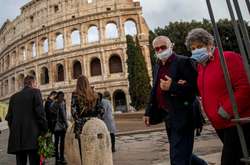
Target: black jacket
(179, 98)
(59, 109)
(26, 120)
(49, 115)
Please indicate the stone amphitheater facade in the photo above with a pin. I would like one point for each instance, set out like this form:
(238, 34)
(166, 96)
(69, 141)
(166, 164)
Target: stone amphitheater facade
(56, 40)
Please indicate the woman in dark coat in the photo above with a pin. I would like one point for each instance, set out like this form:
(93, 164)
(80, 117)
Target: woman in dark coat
(84, 104)
(58, 109)
(47, 106)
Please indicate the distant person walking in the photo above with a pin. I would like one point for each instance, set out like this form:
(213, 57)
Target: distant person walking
(26, 119)
(108, 117)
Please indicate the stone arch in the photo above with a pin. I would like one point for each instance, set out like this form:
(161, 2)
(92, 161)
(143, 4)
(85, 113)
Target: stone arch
(115, 64)
(59, 41)
(23, 54)
(20, 79)
(13, 58)
(130, 27)
(45, 45)
(119, 101)
(77, 69)
(33, 49)
(6, 86)
(75, 37)
(7, 61)
(111, 31)
(95, 67)
(59, 73)
(13, 80)
(44, 76)
(93, 34)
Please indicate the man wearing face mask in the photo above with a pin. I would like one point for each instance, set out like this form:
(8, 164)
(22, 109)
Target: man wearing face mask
(215, 97)
(171, 101)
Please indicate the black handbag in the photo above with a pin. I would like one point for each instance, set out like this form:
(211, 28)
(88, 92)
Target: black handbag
(59, 126)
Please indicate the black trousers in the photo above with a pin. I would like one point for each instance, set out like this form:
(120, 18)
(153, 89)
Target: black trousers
(59, 138)
(232, 151)
(34, 158)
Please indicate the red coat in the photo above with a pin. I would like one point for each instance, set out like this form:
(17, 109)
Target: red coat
(213, 90)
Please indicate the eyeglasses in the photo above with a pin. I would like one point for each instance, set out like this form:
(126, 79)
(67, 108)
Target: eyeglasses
(163, 47)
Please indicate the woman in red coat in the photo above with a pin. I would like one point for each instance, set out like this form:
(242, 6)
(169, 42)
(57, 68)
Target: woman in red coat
(215, 97)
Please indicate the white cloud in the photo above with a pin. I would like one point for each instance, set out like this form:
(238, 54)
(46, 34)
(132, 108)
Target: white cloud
(161, 12)
(156, 12)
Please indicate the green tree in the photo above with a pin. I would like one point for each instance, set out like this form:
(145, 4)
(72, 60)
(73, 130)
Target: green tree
(139, 82)
(177, 32)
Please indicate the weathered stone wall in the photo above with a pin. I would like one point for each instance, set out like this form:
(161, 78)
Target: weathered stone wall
(29, 45)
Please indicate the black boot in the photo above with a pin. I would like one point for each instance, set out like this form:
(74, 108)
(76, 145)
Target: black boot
(112, 136)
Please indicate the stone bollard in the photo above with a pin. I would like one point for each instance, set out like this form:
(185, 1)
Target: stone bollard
(71, 147)
(95, 145)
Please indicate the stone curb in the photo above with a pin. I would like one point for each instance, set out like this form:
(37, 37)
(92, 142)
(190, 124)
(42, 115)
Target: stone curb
(140, 131)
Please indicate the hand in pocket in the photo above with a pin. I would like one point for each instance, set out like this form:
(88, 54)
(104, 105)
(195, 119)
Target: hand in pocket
(222, 113)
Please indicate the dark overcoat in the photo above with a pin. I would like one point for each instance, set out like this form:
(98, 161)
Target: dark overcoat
(26, 119)
(179, 98)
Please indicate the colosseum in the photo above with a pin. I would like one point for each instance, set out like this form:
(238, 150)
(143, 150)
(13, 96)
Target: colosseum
(56, 40)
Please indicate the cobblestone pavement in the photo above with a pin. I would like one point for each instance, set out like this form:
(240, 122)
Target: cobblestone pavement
(142, 149)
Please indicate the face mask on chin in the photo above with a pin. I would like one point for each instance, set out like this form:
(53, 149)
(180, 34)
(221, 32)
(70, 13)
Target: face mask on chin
(200, 55)
(164, 55)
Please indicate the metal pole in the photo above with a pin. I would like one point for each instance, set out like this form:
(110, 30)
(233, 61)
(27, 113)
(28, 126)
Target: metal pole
(242, 27)
(239, 39)
(226, 76)
(248, 5)
(243, 53)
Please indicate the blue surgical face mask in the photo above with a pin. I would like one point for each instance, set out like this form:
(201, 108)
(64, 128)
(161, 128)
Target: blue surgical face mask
(200, 55)
(164, 55)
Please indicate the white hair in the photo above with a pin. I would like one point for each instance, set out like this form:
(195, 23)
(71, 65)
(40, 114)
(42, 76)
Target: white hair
(165, 38)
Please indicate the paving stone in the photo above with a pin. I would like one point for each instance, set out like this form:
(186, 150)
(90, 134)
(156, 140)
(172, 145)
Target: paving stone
(143, 149)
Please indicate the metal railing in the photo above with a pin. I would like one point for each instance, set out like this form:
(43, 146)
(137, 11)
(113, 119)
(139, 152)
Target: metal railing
(242, 36)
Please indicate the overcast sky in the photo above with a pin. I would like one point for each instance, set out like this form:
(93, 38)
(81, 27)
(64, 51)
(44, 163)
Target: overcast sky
(156, 12)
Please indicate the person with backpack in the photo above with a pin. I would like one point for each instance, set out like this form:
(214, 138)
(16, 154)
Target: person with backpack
(108, 117)
(59, 122)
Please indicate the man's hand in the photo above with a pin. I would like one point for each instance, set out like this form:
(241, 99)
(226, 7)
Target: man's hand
(165, 84)
(146, 120)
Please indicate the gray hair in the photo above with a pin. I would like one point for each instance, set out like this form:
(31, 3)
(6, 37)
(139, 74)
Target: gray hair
(165, 38)
(199, 35)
